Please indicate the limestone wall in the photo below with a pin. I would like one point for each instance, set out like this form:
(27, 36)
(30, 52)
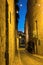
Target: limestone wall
(11, 22)
(2, 31)
(36, 22)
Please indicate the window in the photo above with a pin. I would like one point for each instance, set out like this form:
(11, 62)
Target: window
(35, 1)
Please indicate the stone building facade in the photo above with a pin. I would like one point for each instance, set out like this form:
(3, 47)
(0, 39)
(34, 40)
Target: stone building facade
(35, 19)
(7, 32)
(26, 31)
(2, 31)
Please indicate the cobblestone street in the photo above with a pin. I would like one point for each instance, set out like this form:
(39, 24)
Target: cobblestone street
(25, 58)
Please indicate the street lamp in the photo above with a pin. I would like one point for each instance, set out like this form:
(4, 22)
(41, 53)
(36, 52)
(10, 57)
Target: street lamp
(20, 37)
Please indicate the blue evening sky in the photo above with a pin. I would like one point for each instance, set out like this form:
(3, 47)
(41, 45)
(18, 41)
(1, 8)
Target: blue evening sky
(22, 13)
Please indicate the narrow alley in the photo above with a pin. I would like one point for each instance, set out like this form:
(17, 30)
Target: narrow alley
(21, 32)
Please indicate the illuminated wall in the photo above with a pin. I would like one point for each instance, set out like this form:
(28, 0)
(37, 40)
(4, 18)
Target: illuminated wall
(11, 22)
(7, 27)
(35, 13)
(26, 32)
(2, 32)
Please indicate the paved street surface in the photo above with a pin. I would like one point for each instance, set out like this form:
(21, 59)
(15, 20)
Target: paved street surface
(25, 58)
